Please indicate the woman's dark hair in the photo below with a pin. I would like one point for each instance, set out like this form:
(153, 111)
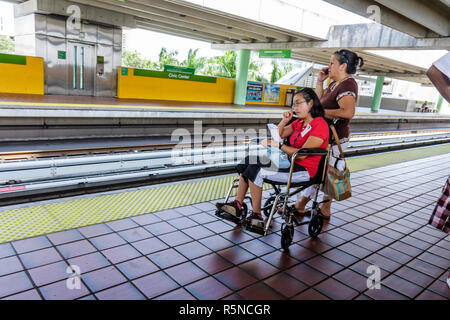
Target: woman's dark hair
(309, 94)
(350, 58)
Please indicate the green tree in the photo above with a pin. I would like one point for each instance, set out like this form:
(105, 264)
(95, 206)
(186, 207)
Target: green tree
(219, 66)
(226, 65)
(6, 44)
(192, 61)
(168, 57)
(254, 72)
(135, 60)
(279, 70)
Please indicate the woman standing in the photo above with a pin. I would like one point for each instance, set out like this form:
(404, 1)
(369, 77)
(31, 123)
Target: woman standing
(339, 102)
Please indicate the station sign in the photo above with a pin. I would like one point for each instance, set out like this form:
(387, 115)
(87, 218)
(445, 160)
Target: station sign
(177, 69)
(173, 75)
(274, 54)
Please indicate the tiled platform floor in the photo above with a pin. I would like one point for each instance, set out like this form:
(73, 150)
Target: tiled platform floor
(188, 253)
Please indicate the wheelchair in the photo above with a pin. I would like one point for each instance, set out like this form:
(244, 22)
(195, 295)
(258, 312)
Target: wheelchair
(279, 199)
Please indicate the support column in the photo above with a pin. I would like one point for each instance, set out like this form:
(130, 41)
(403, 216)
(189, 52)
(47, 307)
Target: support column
(376, 101)
(439, 104)
(243, 62)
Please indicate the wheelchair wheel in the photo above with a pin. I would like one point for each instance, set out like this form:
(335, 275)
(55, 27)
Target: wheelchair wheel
(315, 225)
(268, 205)
(287, 234)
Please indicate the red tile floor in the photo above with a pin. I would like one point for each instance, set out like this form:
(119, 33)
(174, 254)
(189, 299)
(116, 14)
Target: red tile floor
(189, 253)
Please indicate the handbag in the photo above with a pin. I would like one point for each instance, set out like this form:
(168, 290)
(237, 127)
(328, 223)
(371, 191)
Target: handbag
(278, 157)
(337, 183)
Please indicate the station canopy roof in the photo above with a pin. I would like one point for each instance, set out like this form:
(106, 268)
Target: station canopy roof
(403, 25)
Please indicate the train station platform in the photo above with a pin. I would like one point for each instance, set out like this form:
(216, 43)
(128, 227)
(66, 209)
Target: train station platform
(165, 242)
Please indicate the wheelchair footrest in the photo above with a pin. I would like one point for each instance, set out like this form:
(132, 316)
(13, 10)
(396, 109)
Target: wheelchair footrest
(228, 216)
(254, 226)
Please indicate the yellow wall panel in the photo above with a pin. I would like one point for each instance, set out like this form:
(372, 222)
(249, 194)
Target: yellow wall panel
(19, 78)
(140, 87)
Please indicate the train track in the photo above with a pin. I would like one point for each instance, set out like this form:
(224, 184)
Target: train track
(377, 138)
(33, 175)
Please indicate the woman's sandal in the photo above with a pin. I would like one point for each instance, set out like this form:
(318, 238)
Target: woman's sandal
(297, 213)
(307, 213)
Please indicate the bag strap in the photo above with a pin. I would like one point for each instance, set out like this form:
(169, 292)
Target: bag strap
(336, 138)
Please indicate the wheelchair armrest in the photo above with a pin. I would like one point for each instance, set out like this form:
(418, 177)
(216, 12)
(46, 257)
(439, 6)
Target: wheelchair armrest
(309, 152)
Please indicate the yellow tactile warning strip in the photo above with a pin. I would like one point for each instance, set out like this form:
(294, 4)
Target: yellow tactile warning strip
(42, 219)
(32, 221)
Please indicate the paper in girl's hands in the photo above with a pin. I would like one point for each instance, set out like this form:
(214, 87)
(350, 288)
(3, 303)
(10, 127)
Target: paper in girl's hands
(273, 128)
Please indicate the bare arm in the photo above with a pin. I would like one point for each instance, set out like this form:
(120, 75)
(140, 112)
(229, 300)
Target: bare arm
(440, 81)
(346, 109)
(284, 131)
(320, 79)
(319, 89)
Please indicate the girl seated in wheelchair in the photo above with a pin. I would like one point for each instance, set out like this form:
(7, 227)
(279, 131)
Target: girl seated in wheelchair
(309, 131)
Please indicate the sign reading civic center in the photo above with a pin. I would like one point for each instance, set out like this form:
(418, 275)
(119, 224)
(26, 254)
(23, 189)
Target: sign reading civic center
(275, 53)
(173, 75)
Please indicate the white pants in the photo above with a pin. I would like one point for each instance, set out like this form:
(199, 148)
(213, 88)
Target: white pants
(334, 155)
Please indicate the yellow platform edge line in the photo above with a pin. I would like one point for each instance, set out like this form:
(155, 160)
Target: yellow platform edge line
(42, 104)
(30, 221)
(244, 108)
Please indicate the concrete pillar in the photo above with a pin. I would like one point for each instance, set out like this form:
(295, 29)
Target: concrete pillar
(439, 104)
(376, 101)
(243, 62)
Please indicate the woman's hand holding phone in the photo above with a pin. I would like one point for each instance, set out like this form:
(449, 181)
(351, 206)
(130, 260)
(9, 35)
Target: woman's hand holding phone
(323, 74)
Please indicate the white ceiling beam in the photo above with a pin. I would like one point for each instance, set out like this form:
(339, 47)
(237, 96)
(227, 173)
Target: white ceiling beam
(218, 17)
(388, 17)
(172, 28)
(376, 37)
(267, 27)
(371, 63)
(194, 27)
(155, 14)
(420, 13)
(174, 33)
(111, 5)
